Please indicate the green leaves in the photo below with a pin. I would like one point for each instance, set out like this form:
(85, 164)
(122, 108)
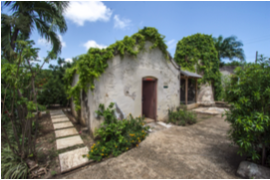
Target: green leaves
(198, 50)
(116, 136)
(250, 110)
(11, 165)
(182, 117)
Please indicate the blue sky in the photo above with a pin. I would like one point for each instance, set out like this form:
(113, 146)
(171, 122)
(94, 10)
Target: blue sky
(99, 24)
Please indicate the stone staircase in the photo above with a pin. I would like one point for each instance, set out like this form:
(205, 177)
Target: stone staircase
(67, 136)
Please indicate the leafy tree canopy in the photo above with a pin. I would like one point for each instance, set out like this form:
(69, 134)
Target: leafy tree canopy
(198, 53)
(51, 83)
(249, 95)
(46, 16)
(229, 48)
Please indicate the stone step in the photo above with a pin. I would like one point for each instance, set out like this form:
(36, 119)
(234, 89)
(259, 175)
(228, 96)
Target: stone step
(57, 120)
(165, 125)
(58, 116)
(65, 132)
(62, 125)
(56, 112)
(68, 142)
(73, 159)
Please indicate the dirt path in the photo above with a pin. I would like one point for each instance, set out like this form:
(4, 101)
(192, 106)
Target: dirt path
(198, 151)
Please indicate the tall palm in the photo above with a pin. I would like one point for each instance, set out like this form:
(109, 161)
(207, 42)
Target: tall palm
(46, 17)
(229, 48)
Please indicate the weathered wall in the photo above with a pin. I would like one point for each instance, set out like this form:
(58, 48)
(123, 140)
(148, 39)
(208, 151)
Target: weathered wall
(85, 111)
(205, 95)
(122, 83)
(75, 80)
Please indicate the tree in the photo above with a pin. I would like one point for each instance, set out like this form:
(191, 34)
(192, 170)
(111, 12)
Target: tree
(53, 91)
(197, 53)
(18, 77)
(249, 115)
(229, 48)
(21, 75)
(45, 16)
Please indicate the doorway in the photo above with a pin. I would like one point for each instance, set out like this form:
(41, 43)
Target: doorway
(149, 98)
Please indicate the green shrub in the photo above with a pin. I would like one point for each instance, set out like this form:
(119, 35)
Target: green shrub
(12, 167)
(249, 115)
(116, 136)
(182, 117)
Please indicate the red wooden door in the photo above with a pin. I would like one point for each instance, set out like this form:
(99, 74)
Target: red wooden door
(149, 98)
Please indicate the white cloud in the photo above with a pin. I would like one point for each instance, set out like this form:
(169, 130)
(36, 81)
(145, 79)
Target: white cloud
(62, 41)
(46, 43)
(43, 42)
(68, 60)
(121, 23)
(171, 44)
(92, 43)
(92, 11)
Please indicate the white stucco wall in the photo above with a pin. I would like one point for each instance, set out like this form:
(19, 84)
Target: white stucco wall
(73, 111)
(122, 83)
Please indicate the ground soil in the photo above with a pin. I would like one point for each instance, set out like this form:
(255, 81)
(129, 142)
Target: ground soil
(46, 147)
(201, 150)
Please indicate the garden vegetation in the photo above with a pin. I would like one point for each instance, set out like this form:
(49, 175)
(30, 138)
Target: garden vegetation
(19, 70)
(182, 117)
(116, 136)
(197, 53)
(248, 92)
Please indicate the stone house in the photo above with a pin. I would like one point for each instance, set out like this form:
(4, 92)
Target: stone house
(148, 85)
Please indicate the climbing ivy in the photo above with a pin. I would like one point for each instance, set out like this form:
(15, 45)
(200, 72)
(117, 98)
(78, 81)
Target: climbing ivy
(92, 65)
(197, 52)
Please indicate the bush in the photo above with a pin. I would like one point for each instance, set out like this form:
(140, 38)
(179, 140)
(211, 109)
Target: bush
(249, 115)
(53, 89)
(182, 117)
(12, 167)
(116, 136)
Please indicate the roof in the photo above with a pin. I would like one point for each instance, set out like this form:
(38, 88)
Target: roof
(190, 74)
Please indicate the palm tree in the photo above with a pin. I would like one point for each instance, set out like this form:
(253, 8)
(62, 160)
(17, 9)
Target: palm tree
(229, 48)
(45, 17)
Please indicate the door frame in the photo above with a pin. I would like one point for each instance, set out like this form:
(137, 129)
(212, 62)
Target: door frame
(151, 78)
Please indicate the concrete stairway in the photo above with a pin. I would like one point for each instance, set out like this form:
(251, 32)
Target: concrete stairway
(67, 136)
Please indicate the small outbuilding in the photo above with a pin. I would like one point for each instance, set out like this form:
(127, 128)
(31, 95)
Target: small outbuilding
(148, 85)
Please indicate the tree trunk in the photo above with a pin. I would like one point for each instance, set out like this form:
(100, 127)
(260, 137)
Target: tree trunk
(14, 38)
(263, 154)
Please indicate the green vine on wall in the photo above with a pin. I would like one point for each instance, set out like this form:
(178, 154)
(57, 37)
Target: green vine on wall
(92, 65)
(198, 51)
